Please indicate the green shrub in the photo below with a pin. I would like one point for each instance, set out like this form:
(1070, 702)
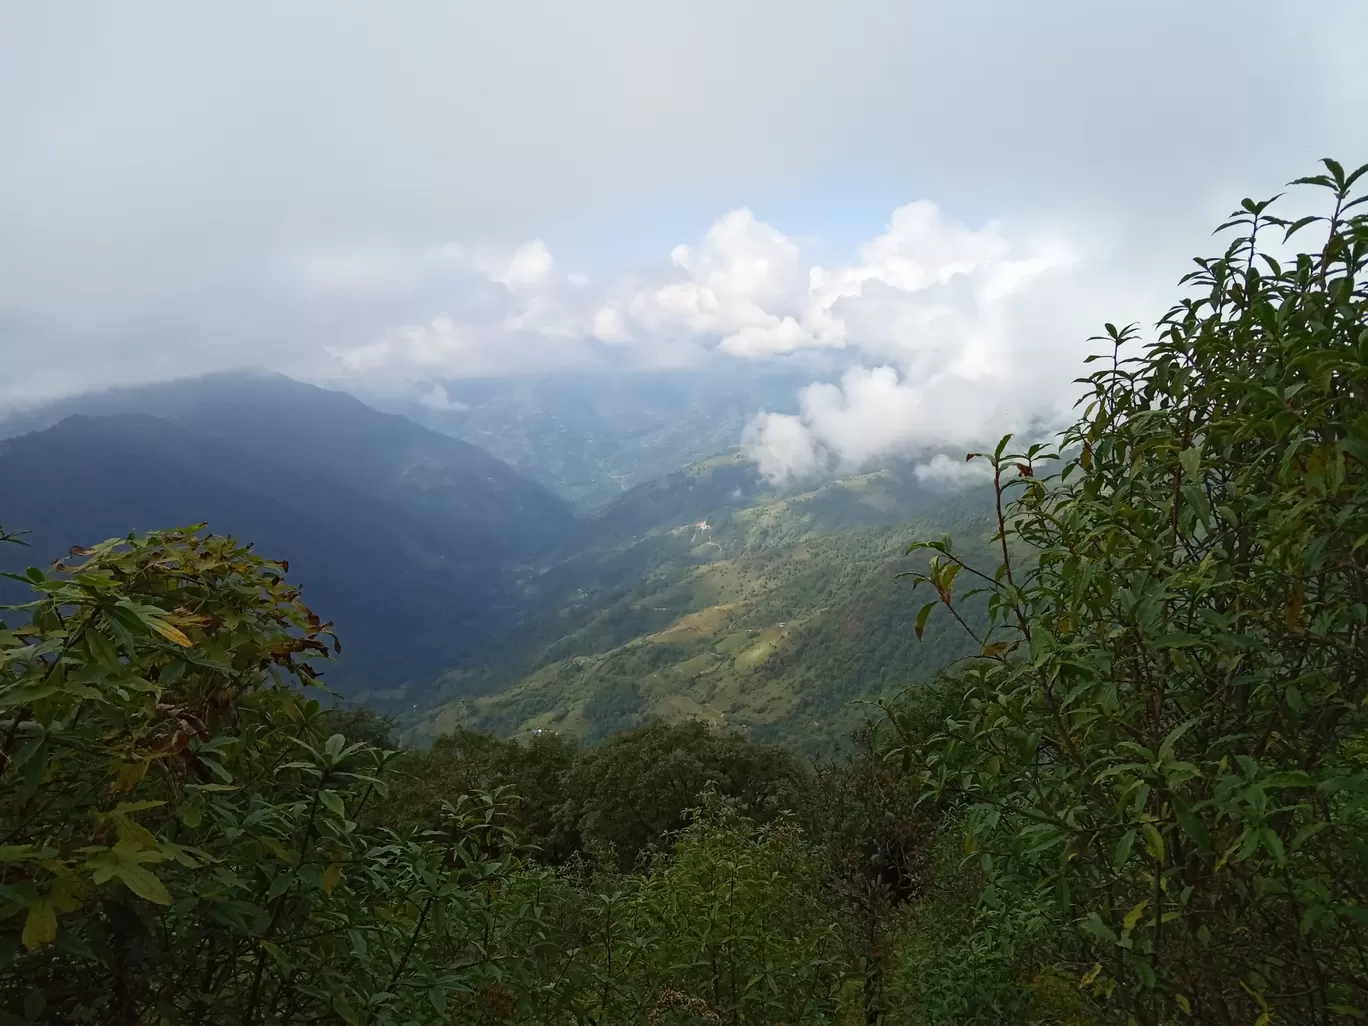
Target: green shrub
(1164, 727)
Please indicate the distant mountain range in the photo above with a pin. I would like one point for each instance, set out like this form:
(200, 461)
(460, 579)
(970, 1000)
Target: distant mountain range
(410, 540)
(592, 437)
(466, 591)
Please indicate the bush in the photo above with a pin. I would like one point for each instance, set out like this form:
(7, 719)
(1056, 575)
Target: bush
(1164, 730)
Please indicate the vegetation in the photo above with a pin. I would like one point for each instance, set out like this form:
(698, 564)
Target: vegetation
(1139, 800)
(778, 619)
(1163, 742)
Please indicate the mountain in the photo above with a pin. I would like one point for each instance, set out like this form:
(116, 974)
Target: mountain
(592, 437)
(723, 486)
(466, 592)
(709, 595)
(411, 541)
(272, 417)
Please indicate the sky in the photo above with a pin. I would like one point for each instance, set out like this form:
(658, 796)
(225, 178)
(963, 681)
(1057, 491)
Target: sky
(949, 197)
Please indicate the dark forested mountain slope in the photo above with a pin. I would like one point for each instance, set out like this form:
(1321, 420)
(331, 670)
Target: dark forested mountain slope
(409, 540)
(271, 417)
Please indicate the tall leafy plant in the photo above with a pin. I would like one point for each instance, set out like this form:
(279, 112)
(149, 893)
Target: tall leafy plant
(1165, 729)
(180, 833)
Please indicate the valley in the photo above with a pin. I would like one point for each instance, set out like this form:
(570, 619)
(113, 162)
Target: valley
(774, 620)
(470, 596)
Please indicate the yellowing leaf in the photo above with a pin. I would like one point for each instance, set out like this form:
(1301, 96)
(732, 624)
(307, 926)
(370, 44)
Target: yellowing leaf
(169, 632)
(1183, 1003)
(144, 884)
(128, 776)
(274, 847)
(1133, 917)
(1292, 610)
(1154, 842)
(332, 876)
(128, 808)
(1090, 975)
(40, 926)
(66, 893)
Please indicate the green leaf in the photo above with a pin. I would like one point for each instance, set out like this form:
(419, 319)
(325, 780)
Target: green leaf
(1123, 849)
(1191, 462)
(1092, 923)
(40, 925)
(1289, 778)
(922, 615)
(334, 803)
(144, 884)
(1190, 823)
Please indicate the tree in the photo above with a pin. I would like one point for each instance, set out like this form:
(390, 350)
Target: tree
(636, 789)
(1165, 730)
(180, 835)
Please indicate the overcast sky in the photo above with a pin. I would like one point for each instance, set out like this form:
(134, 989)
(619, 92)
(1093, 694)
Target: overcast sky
(952, 195)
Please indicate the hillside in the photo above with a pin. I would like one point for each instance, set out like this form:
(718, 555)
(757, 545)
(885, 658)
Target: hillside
(704, 592)
(270, 417)
(409, 540)
(776, 617)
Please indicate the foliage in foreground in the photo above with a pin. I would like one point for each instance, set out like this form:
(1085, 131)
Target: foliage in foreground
(1163, 742)
(186, 843)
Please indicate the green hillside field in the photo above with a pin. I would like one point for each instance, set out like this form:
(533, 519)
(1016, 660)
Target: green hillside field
(779, 618)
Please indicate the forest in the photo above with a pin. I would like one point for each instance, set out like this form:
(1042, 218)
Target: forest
(1140, 798)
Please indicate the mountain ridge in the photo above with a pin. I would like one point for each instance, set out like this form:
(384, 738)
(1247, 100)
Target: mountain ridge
(409, 540)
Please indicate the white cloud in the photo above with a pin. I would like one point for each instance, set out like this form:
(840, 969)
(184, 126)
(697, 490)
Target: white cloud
(609, 325)
(529, 265)
(953, 472)
(741, 289)
(140, 225)
(958, 325)
(951, 334)
(958, 332)
(436, 398)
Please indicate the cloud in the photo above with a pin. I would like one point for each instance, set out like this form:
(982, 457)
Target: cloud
(529, 265)
(162, 213)
(956, 332)
(965, 333)
(953, 472)
(436, 398)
